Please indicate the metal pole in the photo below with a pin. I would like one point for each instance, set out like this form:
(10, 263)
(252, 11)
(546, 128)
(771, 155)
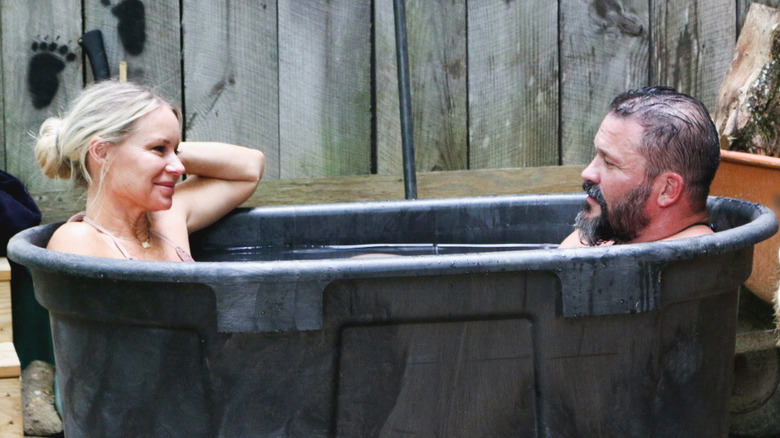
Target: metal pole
(405, 99)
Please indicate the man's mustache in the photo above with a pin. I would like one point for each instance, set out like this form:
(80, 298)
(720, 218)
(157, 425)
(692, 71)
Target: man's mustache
(594, 191)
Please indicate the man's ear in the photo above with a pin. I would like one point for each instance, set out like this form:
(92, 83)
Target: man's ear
(98, 149)
(671, 185)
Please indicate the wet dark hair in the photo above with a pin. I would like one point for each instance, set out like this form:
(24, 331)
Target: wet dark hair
(679, 136)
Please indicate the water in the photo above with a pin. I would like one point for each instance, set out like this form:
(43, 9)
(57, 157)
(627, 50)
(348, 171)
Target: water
(318, 252)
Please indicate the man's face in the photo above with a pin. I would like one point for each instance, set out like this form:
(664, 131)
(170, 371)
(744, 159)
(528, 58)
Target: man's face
(620, 222)
(616, 185)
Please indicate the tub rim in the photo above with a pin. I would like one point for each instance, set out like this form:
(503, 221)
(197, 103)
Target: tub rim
(592, 281)
(24, 249)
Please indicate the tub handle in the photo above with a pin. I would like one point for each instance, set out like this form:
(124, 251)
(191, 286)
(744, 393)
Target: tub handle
(269, 306)
(622, 286)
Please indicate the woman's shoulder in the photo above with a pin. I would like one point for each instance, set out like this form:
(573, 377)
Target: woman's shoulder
(77, 238)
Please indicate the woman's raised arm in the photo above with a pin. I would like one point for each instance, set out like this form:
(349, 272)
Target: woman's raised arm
(220, 177)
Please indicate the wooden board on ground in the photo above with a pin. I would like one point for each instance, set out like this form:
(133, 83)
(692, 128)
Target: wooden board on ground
(6, 328)
(9, 361)
(10, 368)
(11, 408)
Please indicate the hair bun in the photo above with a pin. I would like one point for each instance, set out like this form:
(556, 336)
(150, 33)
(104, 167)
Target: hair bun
(48, 150)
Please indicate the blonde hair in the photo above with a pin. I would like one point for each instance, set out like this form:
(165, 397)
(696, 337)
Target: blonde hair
(108, 109)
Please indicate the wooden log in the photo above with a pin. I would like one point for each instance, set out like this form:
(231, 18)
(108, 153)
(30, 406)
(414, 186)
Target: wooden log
(231, 76)
(748, 107)
(513, 84)
(743, 6)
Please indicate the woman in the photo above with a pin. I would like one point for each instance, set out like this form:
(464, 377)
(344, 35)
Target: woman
(122, 141)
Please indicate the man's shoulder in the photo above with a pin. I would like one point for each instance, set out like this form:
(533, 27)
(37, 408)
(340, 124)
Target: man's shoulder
(696, 230)
(574, 240)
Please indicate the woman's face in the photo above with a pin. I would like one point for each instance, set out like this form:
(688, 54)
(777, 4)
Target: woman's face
(144, 168)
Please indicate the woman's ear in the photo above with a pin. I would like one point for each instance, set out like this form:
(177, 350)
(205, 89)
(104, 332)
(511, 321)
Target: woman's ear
(98, 149)
(672, 186)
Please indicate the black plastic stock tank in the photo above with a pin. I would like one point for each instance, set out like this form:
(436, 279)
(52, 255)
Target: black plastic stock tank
(451, 318)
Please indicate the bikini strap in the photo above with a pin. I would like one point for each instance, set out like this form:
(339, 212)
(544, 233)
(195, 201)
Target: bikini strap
(82, 217)
(181, 252)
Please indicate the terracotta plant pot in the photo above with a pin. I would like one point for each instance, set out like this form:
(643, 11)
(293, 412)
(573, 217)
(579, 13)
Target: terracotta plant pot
(754, 178)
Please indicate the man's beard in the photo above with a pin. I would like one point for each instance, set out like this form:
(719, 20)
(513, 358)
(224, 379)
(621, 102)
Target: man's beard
(620, 224)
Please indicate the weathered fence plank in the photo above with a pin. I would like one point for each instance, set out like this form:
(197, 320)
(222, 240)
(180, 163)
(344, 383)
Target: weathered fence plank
(231, 76)
(604, 51)
(513, 84)
(146, 35)
(324, 87)
(364, 188)
(41, 73)
(693, 42)
(494, 83)
(438, 73)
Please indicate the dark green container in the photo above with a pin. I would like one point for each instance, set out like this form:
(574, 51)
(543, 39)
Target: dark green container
(484, 339)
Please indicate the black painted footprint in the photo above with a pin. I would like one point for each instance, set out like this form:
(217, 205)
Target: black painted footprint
(43, 71)
(131, 25)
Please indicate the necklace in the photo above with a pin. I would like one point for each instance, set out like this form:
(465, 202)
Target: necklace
(696, 224)
(145, 244)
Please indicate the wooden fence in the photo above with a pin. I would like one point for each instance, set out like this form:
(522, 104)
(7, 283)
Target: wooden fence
(312, 83)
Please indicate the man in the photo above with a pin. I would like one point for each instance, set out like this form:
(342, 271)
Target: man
(657, 152)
